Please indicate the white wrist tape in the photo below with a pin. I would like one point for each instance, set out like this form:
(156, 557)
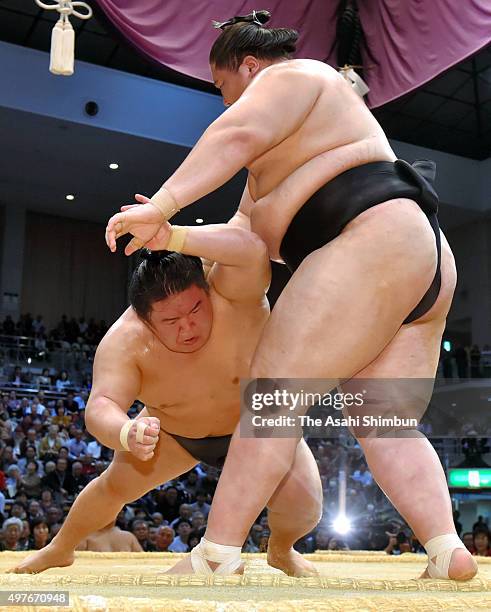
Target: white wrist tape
(228, 558)
(165, 202)
(125, 430)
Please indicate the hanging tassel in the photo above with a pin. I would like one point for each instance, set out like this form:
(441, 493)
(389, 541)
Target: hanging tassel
(63, 36)
(355, 80)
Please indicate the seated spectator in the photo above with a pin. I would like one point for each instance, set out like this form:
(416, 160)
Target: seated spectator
(31, 439)
(31, 481)
(194, 539)
(12, 531)
(198, 520)
(100, 467)
(192, 483)
(38, 325)
(46, 496)
(50, 444)
(481, 542)
(78, 480)
(36, 408)
(20, 409)
(44, 379)
(18, 510)
(25, 535)
(76, 446)
(140, 531)
(180, 542)
(62, 419)
(13, 482)
(81, 399)
(63, 382)
(165, 537)
(34, 511)
(252, 543)
(185, 513)
(168, 502)
(13, 402)
(39, 534)
(157, 519)
(71, 406)
(336, 543)
(210, 481)
(18, 378)
(60, 481)
(110, 539)
(200, 504)
(468, 540)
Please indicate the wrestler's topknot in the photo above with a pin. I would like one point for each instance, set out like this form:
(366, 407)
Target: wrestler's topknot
(245, 35)
(161, 274)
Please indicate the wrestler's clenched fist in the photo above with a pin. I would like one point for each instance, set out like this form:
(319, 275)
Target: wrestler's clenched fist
(143, 436)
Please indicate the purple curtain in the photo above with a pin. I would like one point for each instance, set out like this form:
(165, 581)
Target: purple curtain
(408, 41)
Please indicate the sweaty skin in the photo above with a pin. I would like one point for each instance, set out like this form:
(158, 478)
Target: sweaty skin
(295, 125)
(185, 365)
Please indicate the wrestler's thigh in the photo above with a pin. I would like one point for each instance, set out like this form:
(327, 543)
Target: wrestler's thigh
(344, 304)
(300, 491)
(131, 478)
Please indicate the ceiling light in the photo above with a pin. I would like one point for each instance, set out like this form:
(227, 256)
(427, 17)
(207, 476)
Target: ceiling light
(199, 221)
(70, 197)
(114, 166)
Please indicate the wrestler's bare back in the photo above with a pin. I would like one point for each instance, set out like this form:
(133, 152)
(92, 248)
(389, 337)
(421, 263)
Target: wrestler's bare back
(194, 394)
(338, 130)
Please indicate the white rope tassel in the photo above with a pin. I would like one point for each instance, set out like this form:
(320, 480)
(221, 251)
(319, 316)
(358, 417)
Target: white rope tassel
(355, 80)
(63, 36)
(228, 558)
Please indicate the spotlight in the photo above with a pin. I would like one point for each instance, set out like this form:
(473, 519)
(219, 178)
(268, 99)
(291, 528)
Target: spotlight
(114, 166)
(199, 220)
(29, 360)
(342, 524)
(70, 197)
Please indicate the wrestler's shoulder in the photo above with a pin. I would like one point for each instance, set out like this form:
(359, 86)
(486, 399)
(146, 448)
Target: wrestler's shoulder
(300, 66)
(127, 331)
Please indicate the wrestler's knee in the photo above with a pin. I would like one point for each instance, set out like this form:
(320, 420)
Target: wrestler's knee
(116, 485)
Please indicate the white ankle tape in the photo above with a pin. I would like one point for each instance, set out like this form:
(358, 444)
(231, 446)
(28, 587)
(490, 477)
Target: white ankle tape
(442, 548)
(228, 558)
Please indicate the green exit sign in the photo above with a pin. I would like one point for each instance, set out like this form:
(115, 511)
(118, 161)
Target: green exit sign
(477, 478)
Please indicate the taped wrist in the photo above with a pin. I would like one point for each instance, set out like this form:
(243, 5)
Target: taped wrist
(123, 434)
(177, 238)
(165, 202)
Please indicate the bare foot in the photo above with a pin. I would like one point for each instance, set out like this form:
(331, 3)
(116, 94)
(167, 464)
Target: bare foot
(184, 566)
(43, 559)
(291, 562)
(462, 566)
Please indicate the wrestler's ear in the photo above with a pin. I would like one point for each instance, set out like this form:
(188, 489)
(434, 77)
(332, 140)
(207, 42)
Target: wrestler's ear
(251, 65)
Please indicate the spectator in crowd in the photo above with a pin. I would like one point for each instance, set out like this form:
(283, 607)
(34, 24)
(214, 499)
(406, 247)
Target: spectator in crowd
(14, 478)
(398, 543)
(194, 539)
(480, 524)
(31, 481)
(18, 510)
(12, 531)
(481, 542)
(140, 531)
(46, 496)
(264, 540)
(475, 359)
(210, 481)
(78, 481)
(34, 510)
(468, 540)
(180, 542)
(185, 513)
(50, 444)
(197, 520)
(63, 382)
(25, 535)
(192, 482)
(72, 407)
(110, 539)
(60, 481)
(252, 543)
(168, 502)
(201, 503)
(18, 378)
(165, 537)
(39, 534)
(38, 326)
(157, 519)
(44, 379)
(36, 408)
(62, 419)
(31, 439)
(76, 446)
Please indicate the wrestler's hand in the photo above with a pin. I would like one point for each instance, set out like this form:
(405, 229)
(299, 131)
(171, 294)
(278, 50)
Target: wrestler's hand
(142, 221)
(144, 450)
(161, 239)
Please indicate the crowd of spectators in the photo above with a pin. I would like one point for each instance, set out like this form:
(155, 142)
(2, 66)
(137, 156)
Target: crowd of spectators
(47, 457)
(465, 362)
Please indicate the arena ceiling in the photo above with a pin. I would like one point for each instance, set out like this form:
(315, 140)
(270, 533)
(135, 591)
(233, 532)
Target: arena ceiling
(451, 113)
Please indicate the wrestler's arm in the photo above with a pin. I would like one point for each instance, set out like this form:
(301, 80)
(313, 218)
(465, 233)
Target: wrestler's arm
(265, 114)
(115, 386)
(242, 217)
